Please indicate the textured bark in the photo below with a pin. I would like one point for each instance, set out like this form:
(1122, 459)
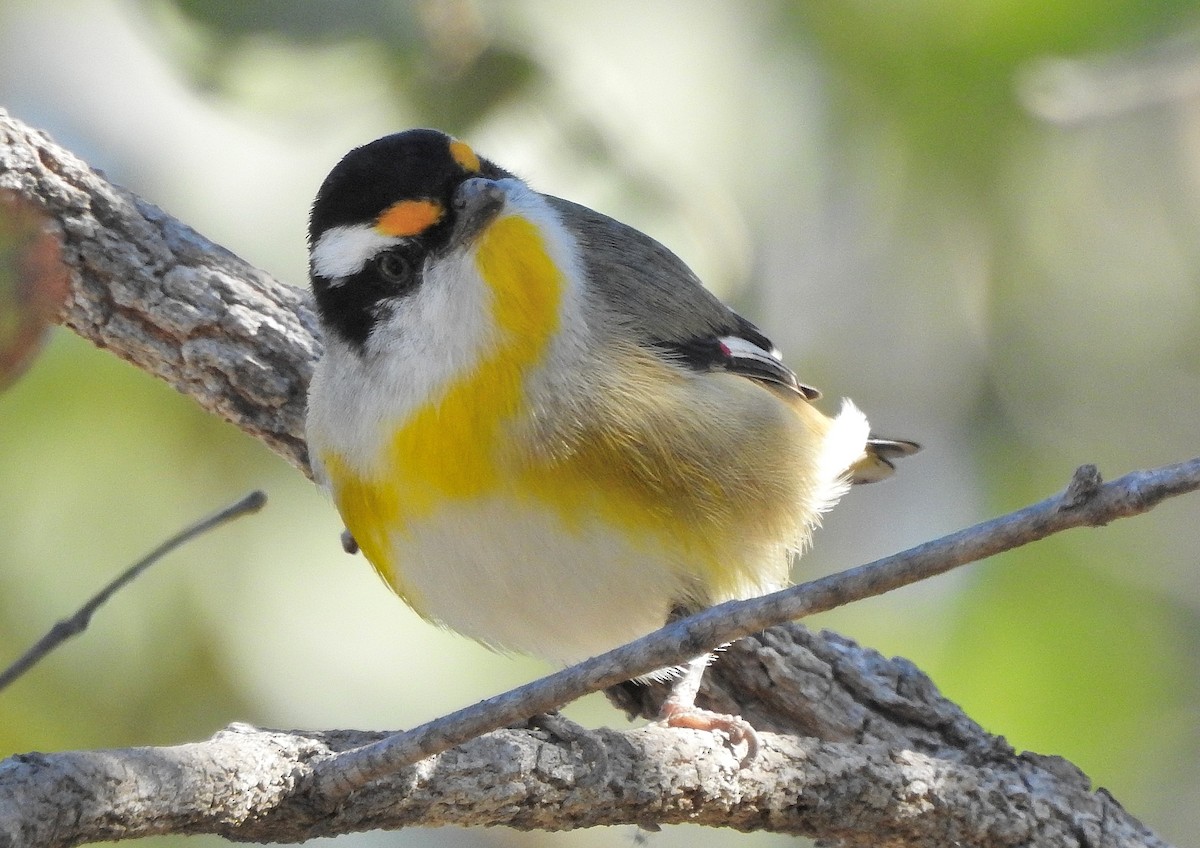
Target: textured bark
(789, 679)
(250, 785)
(160, 295)
(892, 763)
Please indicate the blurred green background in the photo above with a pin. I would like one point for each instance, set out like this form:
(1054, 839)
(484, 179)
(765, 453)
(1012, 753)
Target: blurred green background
(979, 219)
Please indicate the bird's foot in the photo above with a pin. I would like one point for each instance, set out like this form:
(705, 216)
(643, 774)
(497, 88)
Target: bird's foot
(736, 729)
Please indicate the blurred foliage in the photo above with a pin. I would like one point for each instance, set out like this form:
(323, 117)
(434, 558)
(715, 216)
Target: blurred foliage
(942, 74)
(981, 220)
(439, 57)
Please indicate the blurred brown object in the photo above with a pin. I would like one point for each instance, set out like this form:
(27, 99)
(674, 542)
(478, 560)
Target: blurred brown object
(33, 283)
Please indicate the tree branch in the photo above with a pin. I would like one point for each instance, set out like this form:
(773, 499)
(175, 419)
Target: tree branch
(78, 622)
(243, 784)
(899, 765)
(160, 295)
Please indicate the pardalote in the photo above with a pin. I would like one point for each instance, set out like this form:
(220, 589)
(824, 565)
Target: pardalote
(539, 427)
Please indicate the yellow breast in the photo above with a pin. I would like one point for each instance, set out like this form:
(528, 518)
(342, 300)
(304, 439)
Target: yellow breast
(646, 467)
(447, 449)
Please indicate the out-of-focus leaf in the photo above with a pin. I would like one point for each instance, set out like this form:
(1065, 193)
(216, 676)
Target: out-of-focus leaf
(459, 98)
(440, 56)
(33, 283)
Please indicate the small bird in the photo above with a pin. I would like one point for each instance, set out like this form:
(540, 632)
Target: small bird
(539, 427)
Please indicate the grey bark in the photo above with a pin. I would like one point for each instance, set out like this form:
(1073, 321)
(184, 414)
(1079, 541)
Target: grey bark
(160, 295)
(861, 750)
(912, 770)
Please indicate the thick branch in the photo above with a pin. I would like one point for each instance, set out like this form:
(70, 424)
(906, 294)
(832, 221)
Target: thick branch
(901, 766)
(246, 785)
(157, 293)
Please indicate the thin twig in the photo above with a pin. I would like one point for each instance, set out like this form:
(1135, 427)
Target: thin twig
(77, 623)
(1093, 504)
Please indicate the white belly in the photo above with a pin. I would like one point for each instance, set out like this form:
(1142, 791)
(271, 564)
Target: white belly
(511, 575)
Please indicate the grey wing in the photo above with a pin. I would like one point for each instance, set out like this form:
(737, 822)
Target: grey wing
(663, 304)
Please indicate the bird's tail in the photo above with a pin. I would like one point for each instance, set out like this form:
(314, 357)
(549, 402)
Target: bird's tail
(879, 457)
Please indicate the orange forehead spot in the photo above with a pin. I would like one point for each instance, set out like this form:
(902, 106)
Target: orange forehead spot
(409, 217)
(462, 153)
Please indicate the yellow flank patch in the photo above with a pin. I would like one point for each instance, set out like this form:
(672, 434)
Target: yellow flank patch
(447, 449)
(650, 465)
(648, 489)
(462, 153)
(409, 217)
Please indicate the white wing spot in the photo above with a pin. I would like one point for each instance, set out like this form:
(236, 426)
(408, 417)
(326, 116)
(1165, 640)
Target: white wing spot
(736, 346)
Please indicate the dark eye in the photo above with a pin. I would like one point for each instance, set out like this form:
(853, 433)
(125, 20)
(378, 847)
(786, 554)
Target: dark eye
(396, 268)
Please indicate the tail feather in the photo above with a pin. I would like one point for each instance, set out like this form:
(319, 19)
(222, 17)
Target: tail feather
(878, 460)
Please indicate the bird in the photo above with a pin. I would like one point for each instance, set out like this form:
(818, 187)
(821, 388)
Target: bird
(537, 424)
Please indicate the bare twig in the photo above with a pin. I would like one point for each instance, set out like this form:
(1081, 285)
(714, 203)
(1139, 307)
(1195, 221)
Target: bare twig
(1130, 495)
(77, 623)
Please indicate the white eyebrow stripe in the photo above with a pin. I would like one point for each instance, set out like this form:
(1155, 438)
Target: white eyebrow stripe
(342, 251)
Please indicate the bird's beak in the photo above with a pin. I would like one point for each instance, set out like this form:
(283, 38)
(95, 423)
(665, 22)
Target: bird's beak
(477, 201)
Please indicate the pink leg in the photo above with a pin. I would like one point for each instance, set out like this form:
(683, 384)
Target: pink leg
(680, 710)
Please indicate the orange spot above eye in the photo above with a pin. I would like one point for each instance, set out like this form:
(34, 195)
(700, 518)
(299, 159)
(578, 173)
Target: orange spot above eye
(462, 153)
(409, 217)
